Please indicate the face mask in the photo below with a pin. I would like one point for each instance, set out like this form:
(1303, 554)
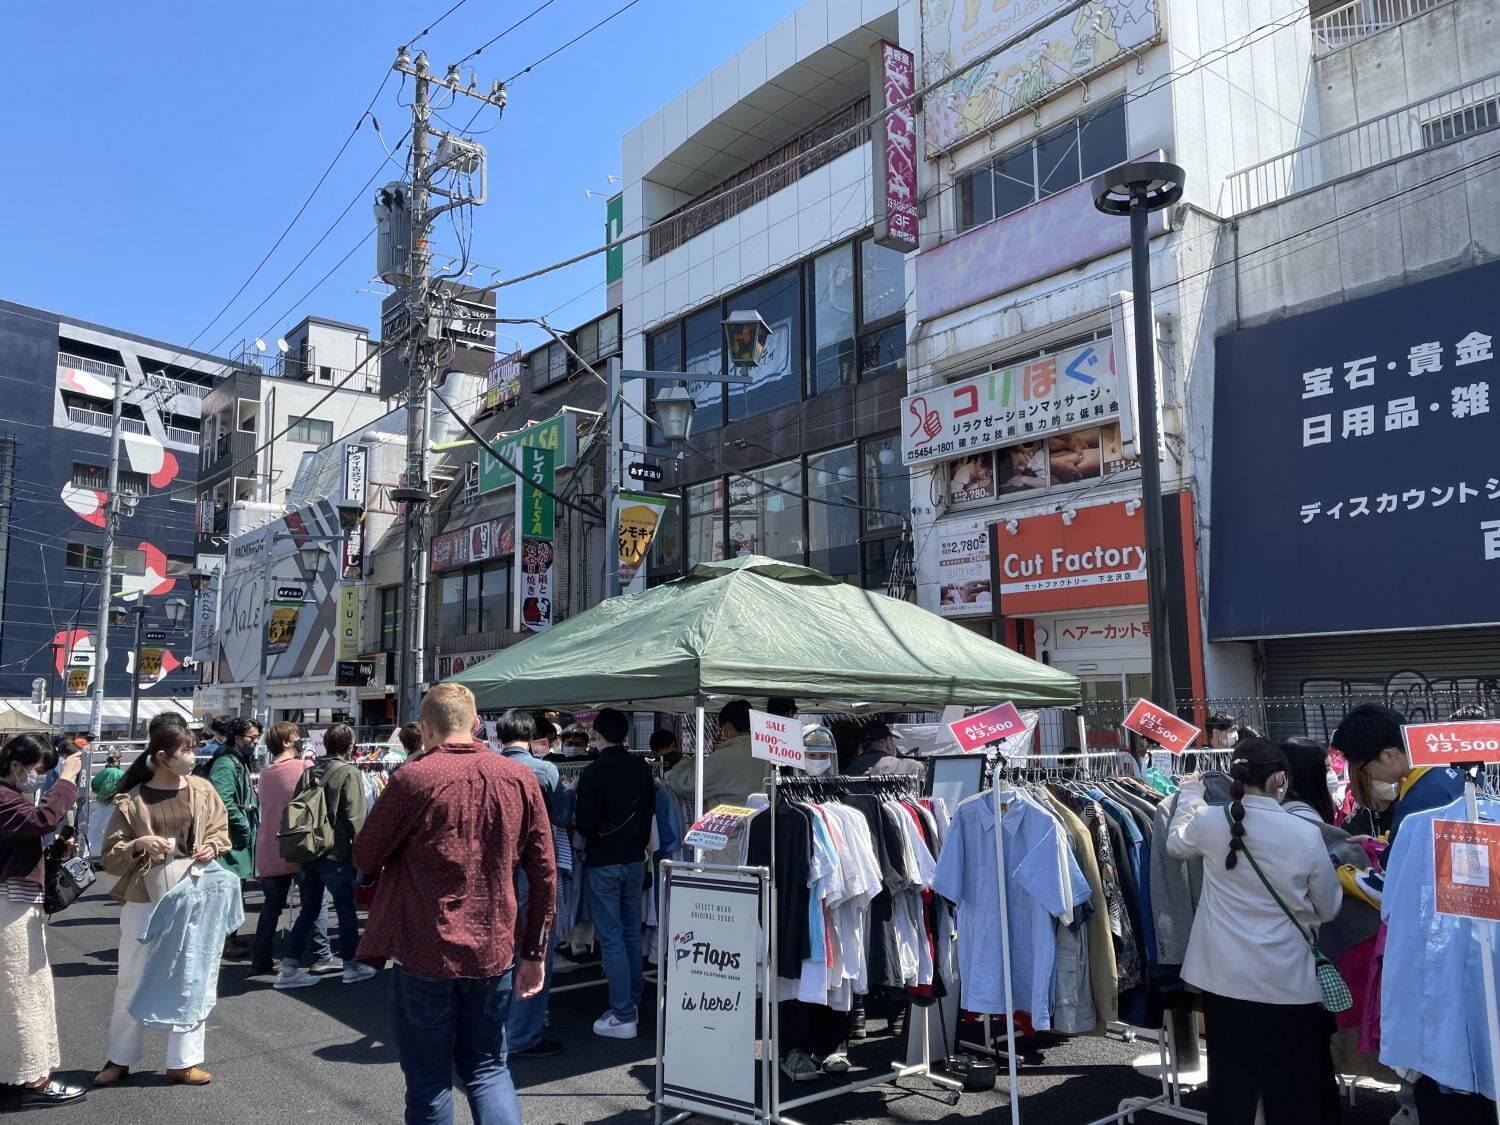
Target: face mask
(816, 765)
(182, 764)
(1385, 790)
(31, 783)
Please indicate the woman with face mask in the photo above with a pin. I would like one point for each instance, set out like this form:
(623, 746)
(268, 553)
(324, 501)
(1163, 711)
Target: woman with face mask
(28, 1054)
(162, 813)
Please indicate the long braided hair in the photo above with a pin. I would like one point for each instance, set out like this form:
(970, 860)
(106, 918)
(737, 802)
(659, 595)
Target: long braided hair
(1256, 761)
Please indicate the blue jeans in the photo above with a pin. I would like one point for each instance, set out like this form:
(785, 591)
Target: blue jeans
(528, 1018)
(444, 1026)
(276, 889)
(338, 880)
(614, 897)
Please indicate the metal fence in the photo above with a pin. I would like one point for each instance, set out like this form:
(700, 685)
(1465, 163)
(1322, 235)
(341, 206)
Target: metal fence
(1332, 31)
(1456, 113)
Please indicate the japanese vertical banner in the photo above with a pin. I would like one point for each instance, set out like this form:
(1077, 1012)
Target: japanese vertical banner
(894, 153)
(356, 483)
(534, 550)
(638, 516)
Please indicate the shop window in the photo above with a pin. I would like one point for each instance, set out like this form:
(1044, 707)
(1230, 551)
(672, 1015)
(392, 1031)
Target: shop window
(765, 513)
(879, 558)
(777, 380)
(971, 479)
(664, 561)
(833, 520)
(390, 618)
(471, 601)
(703, 342)
(313, 431)
(494, 599)
(882, 280)
(451, 606)
(1021, 467)
(883, 352)
(833, 319)
(887, 484)
(663, 353)
(705, 523)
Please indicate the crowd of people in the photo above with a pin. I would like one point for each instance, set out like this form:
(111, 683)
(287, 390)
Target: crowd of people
(466, 862)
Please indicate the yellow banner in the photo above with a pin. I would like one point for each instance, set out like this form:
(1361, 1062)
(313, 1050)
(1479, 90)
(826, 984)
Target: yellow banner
(640, 518)
(150, 668)
(281, 628)
(78, 681)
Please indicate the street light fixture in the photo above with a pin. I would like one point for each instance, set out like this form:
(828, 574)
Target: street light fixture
(176, 610)
(198, 579)
(746, 335)
(674, 408)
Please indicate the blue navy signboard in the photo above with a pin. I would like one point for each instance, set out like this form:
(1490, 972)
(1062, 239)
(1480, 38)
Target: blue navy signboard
(1356, 466)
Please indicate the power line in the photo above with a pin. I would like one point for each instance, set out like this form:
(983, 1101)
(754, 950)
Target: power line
(430, 27)
(479, 50)
(581, 35)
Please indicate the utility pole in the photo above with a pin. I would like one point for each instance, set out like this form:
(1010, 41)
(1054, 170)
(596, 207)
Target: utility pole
(106, 587)
(423, 345)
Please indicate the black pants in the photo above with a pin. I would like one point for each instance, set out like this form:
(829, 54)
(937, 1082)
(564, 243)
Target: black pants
(1278, 1053)
(816, 1029)
(1451, 1109)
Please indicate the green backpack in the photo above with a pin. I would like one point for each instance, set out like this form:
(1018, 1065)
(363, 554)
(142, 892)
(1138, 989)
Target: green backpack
(306, 828)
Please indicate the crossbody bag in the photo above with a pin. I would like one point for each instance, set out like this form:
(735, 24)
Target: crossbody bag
(1335, 993)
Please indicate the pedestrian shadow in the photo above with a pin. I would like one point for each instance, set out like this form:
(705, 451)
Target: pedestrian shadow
(363, 1052)
(82, 969)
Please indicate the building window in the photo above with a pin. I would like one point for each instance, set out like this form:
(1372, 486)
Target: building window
(313, 431)
(1054, 162)
(665, 559)
(705, 523)
(833, 513)
(882, 282)
(97, 477)
(471, 601)
(390, 618)
(663, 353)
(766, 513)
(833, 319)
(470, 491)
(609, 335)
(451, 606)
(703, 344)
(887, 485)
(494, 598)
(777, 379)
(85, 556)
(883, 351)
(325, 374)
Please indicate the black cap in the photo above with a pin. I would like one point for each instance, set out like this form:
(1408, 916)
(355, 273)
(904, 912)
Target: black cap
(875, 732)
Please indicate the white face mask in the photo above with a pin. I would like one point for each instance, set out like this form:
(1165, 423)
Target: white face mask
(816, 765)
(1385, 790)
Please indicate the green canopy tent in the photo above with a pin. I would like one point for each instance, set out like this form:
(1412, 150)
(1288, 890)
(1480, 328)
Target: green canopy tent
(755, 627)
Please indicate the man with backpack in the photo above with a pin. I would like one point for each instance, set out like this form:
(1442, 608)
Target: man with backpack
(317, 830)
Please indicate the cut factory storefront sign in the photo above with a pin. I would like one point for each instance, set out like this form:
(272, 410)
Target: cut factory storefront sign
(1361, 436)
(1089, 560)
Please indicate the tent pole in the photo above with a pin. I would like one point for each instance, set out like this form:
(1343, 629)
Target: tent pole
(699, 749)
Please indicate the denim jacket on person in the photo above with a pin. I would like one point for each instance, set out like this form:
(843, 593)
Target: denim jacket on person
(180, 982)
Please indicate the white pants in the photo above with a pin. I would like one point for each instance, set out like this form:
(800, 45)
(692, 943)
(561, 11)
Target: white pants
(184, 1048)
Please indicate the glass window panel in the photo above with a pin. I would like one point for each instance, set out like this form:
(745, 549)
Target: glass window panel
(451, 606)
(1103, 144)
(880, 554)
(778, 377)
(833, 319)
(833, 526)
(763, 518)
(1074, 457)
(976, 198)
(887, 484)
(1057, 160)
(609, 335)
(663, 353)
(971, 480)
(588, 342)
(557, 363)
(665, 557)
(471, 601)
(1015, 180)
(704, 335)
(882, 278)
(390, 618)
(494, 613)
(1111, 453)
(705, 531)
(883, 351)
(1021, 468)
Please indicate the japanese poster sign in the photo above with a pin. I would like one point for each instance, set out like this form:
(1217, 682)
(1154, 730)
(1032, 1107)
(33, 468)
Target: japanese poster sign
(281, 627)
(78, 681)
(1161, 726)
(479, 542)
(356, 484)
(776, 738)
(1076, 44)
(978, 731)
(1094, 558)
(150, 671)
(640, 515)
(559, 434)
(1064, 391)
(534, 550)
(713, 829)
(1372, 435)
(1466, 859)
(348, 647)
(206, 610)
(1448, 744)
(712, 929)
(502, 381)
(894, 147)
(963, 550)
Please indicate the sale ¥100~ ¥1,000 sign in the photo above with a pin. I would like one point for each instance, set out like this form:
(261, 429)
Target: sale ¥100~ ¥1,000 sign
(1447, 744)
(776, 739)
(1161, 727)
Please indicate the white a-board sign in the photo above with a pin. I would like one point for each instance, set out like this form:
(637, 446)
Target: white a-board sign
(712, 930)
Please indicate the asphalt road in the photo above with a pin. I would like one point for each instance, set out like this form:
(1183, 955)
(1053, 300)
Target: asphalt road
(325, 1054)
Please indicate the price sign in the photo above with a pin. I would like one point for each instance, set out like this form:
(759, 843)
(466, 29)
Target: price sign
(1467, 861)
(978, 731)
(1161, 727)
(776, 739)
(713, 829)
(1446, 744)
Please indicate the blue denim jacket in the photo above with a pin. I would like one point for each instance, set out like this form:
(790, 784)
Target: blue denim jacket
(180, 983)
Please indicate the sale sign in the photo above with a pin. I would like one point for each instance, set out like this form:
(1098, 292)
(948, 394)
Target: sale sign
(776, 739)
(1161, 727)
(1467, 861)
(978, 731)
(1446, 744)
(713, 829)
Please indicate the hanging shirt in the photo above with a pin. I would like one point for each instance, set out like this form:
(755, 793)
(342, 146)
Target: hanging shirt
(1037, 858)
(1432, 1017)
(180, 981)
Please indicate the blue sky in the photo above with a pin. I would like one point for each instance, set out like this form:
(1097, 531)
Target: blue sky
(162, 147)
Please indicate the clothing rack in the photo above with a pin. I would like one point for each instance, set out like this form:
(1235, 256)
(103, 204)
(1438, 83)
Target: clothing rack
(779, 786)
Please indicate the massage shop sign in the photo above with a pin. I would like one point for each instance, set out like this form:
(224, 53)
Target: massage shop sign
(713, 928)
(1050, 394)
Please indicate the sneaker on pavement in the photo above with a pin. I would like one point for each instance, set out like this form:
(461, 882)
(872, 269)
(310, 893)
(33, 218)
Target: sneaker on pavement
(294, 978)
(325, 964)
(541, 1049)
(799, 1066)
(836, 1063)
(611, 1028)
(354, 972)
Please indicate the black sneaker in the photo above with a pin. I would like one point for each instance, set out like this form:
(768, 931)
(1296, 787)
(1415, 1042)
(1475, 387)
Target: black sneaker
(857, 1025)
(541, 1049)
(50, 1093)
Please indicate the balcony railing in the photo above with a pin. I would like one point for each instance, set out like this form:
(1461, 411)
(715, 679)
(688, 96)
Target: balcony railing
(1361, 19)
(82, 416)
(109, 371)
(1460, 112)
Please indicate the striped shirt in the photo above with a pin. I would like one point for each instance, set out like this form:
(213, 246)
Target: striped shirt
(20, 890)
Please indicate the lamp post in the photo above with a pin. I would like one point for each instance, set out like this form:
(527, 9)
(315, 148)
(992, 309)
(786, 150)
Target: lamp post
(745, 337)
(1137, 190)
(117, 616)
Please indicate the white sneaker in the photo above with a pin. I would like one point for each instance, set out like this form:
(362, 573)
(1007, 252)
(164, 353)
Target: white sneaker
(354, 972)
(611, 1028)
(294, 978)
(325, 964)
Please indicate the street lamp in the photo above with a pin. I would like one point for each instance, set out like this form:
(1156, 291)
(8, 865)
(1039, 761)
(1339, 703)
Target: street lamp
(176, 610)
(673, 410)
(138, 611)
(746, 335)
(198, 579)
